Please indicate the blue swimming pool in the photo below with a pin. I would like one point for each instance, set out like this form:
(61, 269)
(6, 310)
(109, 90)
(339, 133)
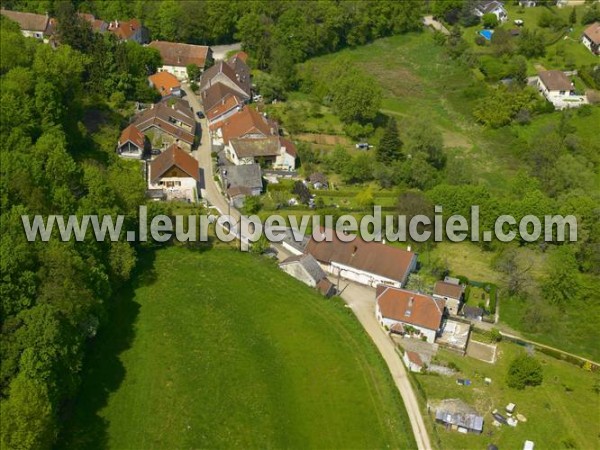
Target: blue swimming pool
(487, 34)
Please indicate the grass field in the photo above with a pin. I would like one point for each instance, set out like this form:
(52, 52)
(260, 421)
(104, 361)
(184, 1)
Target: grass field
(563, 412)
(220, 349)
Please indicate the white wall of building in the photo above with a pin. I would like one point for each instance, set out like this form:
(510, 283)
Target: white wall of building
(386, 322)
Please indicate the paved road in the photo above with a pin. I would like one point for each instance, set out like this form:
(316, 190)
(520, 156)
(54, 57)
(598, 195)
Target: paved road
(361, 300)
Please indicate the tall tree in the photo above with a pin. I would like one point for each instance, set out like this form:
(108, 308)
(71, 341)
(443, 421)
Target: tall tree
(390, 143)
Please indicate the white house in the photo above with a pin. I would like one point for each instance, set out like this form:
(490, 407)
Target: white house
(414, 313)
(176, 173)
(176, 57)
(591, 38)
(272, 151)
(491, 7)
(556, 87)
(32, 25)
(368, 263)
(452, 292)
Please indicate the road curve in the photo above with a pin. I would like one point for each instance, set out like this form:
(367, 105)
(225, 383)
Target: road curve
(360, 298)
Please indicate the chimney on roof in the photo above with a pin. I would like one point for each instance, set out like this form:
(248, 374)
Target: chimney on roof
(411, 302)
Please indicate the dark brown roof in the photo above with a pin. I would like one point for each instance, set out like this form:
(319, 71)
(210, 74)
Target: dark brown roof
(27, 21)
(176, 54)
(326, 287)
(450, 290)
(133, 135)
(555, 80)
(373, 257)
(246, 148)
(209, 74)
(411, 307)
(593, 32)
(174, 156)
(242, 72)
(289, 146)
(159, 115)
(216, 94)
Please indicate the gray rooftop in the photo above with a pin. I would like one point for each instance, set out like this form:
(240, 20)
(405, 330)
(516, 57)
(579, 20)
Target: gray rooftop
(468, 421)
(309, 263)
(247, 175)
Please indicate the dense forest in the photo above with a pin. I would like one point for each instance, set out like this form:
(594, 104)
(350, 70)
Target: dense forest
(54, 295)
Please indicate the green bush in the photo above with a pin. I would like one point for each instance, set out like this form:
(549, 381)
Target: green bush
(524, 371)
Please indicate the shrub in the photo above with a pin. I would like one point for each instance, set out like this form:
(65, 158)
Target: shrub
(524, 371)
(489, 20)
(480, 40)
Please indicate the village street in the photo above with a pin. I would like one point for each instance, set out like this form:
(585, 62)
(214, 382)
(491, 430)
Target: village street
(361, 299)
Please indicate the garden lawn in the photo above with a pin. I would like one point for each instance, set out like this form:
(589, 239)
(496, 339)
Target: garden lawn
(563, 412)
(221, 349)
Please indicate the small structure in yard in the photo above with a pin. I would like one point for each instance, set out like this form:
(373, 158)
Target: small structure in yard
(413, 361)
(318, 181)
(528, 445)
(510, 408)
(558, 89)
(591, 38)
(472, 312)
(458, 416)
(455, 335)
(463, 382)
(131, 143)
(306, 269)
(419, 314)
(499, 417)
(452, 291)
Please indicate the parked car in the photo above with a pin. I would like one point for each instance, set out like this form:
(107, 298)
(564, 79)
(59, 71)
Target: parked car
(257, 98)
(200, 114)
(155, 152)
(363, 146)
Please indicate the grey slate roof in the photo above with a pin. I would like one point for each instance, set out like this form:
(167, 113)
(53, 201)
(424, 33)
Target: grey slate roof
(468, 421)
(309, 263)
(246, 175)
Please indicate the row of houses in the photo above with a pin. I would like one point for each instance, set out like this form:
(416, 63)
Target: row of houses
(246, 140)
(176, 57)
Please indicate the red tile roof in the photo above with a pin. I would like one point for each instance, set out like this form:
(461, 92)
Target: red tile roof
(246, 121)
(445, 289)
(164, 82)
(133, 135)
(241, 55)
(227, 104)
(176, 54)
(414, 358)
(411, 308)
(174, 157)
(290, 148)
(372, 257)
(124, 29)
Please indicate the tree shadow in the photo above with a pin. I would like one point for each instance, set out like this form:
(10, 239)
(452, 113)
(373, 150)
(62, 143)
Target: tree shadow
(103, 371)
